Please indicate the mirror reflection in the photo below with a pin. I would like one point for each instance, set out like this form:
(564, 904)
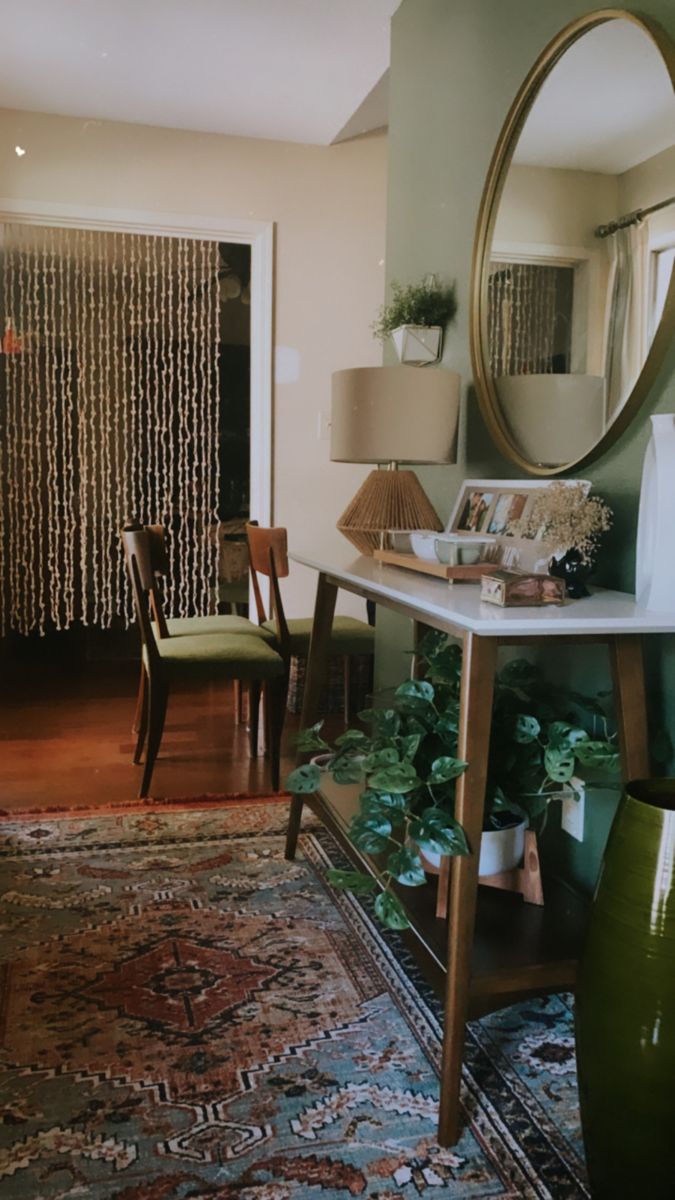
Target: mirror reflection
(583, 244)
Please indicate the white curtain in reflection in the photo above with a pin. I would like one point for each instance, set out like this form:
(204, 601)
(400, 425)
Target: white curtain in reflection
(626, 317)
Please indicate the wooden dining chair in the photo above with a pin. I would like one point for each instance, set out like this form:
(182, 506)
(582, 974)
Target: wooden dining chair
(184, 626)
(166, 660)
(268, 555)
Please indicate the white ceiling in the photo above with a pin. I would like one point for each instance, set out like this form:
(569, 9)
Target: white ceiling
(607, 105)
(295, 70)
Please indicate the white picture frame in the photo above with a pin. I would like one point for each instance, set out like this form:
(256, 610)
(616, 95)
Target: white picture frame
(490, 506)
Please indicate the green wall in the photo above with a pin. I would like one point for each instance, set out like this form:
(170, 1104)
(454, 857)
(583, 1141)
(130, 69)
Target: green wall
(455, 68)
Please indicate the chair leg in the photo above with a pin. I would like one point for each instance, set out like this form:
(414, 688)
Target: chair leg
(142, 715)
(253, 716)
(158, 694)
(275, 693)
(140, 702)
(294, 822)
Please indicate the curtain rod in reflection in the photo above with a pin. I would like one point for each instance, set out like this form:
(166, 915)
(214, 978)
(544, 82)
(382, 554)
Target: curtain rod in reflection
(632, 218)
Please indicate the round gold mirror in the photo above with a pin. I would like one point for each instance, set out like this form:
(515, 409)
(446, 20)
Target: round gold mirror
(573, 299)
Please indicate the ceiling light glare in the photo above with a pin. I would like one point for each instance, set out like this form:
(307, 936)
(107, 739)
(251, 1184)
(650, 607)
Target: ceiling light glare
(19, 151)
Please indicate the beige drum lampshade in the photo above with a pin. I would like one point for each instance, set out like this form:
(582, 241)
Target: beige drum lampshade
(391, 415)
(394, 414)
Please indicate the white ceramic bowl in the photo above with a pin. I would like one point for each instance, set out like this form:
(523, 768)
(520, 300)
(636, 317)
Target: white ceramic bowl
(422, 542)
(452, 548)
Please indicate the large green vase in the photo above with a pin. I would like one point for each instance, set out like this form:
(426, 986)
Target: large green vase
(626, 1004)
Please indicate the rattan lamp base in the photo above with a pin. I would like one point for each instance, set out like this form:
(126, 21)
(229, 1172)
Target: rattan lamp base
(387, 500)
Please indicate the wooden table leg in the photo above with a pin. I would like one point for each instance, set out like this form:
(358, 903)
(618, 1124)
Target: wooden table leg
(631, 704)
(315, 676)
(478, 671)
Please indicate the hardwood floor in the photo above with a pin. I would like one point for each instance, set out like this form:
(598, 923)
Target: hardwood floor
(65, 739)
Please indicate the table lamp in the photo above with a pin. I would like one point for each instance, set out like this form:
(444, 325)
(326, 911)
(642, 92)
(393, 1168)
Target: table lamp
(389, 415)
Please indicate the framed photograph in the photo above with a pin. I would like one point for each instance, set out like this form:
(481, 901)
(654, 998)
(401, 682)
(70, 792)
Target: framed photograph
(494, 507)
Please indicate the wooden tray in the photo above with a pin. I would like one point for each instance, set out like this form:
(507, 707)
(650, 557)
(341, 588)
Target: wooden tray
(469, 572)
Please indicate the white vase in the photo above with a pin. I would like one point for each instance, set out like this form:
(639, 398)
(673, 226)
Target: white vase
(655, 553)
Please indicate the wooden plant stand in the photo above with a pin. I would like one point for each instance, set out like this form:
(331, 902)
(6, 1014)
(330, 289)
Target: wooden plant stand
(525, 879)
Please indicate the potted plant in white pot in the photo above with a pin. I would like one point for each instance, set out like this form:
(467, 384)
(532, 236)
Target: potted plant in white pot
(404, 771)
(545, 743)
(416, 317)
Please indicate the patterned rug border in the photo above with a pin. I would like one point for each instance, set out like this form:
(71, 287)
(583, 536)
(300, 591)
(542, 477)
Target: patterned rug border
(167, 803)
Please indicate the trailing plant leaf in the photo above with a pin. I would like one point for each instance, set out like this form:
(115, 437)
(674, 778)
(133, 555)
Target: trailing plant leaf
(391, 912)
(520, 672)
(406, 867)
(597, 754)
(409, 745)
(351, 739)
(559, 764)
(370, 833)
(349, 770)
(381, 758)
(414, 694)
(561, 735)
(402, 777)
(304, 780)
(353, 881)
(438, 835)
(526, 729)
(501, 806)
(378, 802)
(447, 728)
(309, 740)
(443, 769)
(385, 722)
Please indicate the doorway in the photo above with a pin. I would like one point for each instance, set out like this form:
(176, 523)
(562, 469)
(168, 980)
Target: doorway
(214, 297)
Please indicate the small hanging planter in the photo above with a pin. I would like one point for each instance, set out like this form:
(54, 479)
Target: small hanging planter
(416, 318)
(418, 344)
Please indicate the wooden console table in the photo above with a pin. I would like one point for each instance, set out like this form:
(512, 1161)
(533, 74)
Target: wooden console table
(609, 617)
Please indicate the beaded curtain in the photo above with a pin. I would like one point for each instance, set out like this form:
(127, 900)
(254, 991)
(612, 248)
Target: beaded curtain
(521, 318)
(109, 412)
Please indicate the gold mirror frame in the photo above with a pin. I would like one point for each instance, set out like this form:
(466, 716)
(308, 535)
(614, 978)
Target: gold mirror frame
(492, 192)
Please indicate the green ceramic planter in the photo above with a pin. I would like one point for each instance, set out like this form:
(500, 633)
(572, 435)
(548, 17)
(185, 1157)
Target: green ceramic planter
(626, 1004)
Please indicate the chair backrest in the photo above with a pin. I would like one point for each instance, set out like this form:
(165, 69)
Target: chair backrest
(268, 555)
(159, 564)
(138, 556)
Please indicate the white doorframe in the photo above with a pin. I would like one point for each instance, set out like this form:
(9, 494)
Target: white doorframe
(259, 235)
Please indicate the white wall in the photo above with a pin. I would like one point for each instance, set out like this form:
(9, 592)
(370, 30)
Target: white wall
(328, 205)
(551, 205)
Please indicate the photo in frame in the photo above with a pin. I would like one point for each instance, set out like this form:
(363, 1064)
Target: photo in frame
(494, 506)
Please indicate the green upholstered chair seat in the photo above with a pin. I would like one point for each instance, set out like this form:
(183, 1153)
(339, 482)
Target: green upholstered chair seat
(195, 626)
(232, 656)
(349, 636)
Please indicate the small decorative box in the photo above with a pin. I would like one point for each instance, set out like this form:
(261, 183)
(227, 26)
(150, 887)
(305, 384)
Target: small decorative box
(511, 588)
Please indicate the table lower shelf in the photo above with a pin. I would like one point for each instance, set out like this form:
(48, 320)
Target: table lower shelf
(519, 949)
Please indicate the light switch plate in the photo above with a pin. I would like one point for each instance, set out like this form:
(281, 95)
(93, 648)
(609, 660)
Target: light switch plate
(573, 810)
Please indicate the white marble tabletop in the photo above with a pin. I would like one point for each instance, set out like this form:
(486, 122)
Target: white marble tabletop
(603, 612)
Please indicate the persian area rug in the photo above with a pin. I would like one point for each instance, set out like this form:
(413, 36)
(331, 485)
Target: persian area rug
(186, 1015)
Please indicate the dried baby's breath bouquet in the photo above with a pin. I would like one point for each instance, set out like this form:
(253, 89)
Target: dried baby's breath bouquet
(565, 516)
